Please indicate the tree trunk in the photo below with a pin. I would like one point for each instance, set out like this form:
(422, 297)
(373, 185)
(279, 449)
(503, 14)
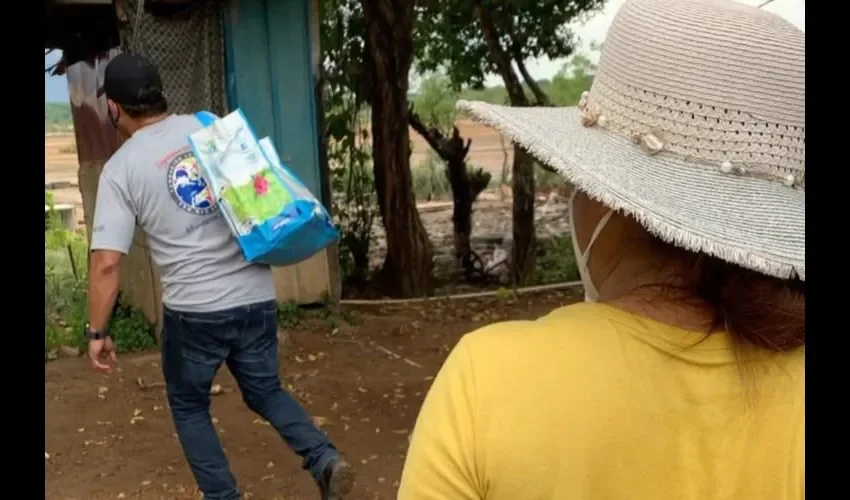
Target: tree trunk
(465, 185)
(503, 62)
(503, 179)
(389, 46)
(524, 252)
(523, 166)
(461, 213)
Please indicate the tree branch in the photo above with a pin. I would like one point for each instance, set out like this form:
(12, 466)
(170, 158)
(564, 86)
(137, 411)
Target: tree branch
(432, 135)
(540, 96)
(500, 57)
(478, 181)
(447, 148)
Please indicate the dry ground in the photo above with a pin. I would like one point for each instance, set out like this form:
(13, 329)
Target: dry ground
(366, 399)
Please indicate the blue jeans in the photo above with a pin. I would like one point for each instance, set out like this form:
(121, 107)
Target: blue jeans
(194, 345)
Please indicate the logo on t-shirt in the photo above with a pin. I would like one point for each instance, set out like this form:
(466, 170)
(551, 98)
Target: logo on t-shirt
(188, 187)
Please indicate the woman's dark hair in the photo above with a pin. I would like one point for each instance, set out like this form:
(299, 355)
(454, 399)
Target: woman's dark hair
(756, 309)
(154, 104)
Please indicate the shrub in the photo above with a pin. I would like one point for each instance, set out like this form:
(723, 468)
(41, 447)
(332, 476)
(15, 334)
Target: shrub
(66, 294)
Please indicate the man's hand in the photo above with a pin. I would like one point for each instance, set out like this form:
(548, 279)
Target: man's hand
(104, 276)
(101, 352)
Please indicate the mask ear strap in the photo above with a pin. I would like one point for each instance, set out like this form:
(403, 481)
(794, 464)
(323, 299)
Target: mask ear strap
(599, 227)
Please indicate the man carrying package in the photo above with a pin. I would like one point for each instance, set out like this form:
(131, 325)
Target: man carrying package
(218, 308)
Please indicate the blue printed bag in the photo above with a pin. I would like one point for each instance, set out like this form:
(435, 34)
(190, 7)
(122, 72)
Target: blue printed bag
(275, 218)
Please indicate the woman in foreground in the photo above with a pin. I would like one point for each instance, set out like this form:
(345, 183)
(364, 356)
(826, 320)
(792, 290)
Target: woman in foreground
(681, 376)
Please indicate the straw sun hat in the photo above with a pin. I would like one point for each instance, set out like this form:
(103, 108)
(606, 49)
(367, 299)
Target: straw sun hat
(694, 125)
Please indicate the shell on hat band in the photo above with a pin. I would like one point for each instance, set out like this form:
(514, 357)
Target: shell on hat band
(732, 142)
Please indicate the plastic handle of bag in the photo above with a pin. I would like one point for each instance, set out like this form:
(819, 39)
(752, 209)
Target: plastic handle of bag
(205, 117)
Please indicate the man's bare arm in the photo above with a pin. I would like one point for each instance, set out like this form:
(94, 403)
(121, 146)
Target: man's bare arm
(112, 235)
(104, 278)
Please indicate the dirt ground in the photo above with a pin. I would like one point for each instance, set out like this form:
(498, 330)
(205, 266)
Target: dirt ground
(60, 159)
(107, 438)
(60, 166)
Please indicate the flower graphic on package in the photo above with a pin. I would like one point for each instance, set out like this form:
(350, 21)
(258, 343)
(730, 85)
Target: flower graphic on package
(261, 197)
(261, 184)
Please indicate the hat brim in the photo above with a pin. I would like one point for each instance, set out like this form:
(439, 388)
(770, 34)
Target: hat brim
(754, 223)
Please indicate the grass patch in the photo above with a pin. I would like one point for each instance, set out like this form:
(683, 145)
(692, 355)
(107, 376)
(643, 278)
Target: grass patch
(66, 307)
(546, 179)
(288, 314)
(66, 295)
(429, 179)
(556, 261)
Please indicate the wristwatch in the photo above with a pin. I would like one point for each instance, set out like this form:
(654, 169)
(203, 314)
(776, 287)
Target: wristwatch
(95, 334)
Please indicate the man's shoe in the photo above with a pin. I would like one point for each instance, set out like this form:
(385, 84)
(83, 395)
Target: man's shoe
(337, 480)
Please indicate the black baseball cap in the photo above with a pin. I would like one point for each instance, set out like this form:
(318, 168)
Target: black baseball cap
(131, 79)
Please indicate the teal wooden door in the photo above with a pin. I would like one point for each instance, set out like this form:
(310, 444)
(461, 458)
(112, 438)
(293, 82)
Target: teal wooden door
(270, 76)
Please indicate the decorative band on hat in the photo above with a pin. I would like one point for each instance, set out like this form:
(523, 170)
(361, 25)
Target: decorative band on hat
(654, 141)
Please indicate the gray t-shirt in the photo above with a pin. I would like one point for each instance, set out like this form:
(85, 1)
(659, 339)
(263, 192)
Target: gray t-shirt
(154, 179)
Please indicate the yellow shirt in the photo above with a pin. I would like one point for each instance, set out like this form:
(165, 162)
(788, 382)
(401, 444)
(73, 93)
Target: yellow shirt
(592, 403)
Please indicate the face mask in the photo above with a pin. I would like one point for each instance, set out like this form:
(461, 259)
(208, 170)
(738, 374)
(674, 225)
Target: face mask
(113, 118)
(590, 292)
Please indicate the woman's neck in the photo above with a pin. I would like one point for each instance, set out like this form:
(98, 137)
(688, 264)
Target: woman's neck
(657, 290)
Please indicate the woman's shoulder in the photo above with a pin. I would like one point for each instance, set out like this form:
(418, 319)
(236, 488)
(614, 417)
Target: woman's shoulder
(570, 332)
(565, 322)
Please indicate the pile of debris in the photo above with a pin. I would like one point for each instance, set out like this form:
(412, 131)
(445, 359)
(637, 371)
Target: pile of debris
(492, 233)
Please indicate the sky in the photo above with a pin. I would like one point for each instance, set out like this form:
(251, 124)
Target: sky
(56, 88)
(594, 30)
